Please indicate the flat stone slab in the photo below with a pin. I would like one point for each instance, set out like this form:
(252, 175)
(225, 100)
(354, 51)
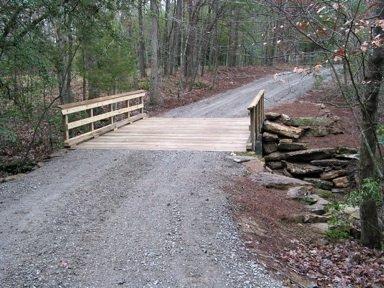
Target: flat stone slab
(270, 180)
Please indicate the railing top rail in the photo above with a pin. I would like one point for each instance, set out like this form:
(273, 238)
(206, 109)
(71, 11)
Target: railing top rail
(256, 100)
(98, 102)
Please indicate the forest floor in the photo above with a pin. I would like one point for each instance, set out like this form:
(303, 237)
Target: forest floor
(102, 218)
(300, 255)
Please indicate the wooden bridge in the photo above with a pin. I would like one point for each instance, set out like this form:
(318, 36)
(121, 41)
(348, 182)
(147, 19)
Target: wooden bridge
(103, 122)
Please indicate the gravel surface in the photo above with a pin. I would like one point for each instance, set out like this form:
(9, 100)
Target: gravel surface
(280, 88)
(129, 218)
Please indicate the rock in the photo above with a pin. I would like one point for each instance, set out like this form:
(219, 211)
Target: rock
(313, 218)
(347, 150)
(339, 191)
(303, 169)
(275, 165)
(294, 218)
(288, 145)
(332, 174)
(347, 156)
(310, 154)
(40, 164)
(298, 192)
(321, 228)
(276, 156)
(321, 184)
(318, 200)
(310, 121)
(269, 148)
(286, 173)
(284, 118)
(336, 163)
(352, 212)
(241, 159)
(269, 137)
(277, 181)
(341, 182)
(272, 116)
(11, 178)
(319, 131)
(283, 130)
(302, 155)
(317, 208)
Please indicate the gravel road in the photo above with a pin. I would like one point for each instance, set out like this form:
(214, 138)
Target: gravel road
(280, 88)
(132, 218)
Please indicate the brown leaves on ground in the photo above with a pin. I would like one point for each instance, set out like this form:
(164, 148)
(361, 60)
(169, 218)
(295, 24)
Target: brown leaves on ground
(296, 253)
(342, 264)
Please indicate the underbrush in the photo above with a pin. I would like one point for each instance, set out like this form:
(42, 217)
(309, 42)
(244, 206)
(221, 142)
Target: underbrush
(27, 136)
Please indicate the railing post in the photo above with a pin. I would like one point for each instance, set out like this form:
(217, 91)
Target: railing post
(112, 118)
(128, 113)
(256, 110)
(66, 130)
(92, 124)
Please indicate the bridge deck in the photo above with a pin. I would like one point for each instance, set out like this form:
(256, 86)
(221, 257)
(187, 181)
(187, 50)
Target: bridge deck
(200, 134)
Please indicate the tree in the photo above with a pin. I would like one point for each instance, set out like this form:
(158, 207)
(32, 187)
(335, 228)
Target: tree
(155, 73)
(370, 233)
(344, 34)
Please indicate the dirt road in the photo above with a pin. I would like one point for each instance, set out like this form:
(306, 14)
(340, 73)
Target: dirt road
(132, 218)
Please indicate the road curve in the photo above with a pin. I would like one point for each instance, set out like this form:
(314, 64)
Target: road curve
(133, 218)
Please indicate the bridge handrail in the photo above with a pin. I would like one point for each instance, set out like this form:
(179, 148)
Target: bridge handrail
(257, 116)
(113, 101)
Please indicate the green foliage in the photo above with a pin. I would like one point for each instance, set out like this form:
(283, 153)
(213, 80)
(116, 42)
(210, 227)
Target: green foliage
(339, 224)
(337, 233)
(370, 190)
(200, 85)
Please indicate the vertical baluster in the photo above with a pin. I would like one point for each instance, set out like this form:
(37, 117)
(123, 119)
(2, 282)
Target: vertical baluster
(128, 113)
(66, 131)
(92, 124)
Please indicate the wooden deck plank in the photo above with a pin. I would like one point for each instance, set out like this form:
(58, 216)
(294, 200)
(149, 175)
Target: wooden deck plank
(194, 134)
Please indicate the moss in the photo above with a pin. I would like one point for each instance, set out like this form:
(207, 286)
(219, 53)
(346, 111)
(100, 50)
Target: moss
(311, 121)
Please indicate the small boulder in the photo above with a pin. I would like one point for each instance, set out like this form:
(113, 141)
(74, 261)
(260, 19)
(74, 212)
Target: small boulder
(270, 180)
(311, 121)
(269, 137)
(332, 174)
(275, 165)
(347, 150)
(321, 228)
(303, 169)
(289, 145)
(317, 208)
(269, 148)
(341, 182)
(310, 154)
(282, 130)
(276, 156)
(330, 162)
(272, 116)
(321, 184)
(313, 218)
(298, 192)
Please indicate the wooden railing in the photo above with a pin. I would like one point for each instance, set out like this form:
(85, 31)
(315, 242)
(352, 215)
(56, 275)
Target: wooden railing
(256, 113)
(101, 115)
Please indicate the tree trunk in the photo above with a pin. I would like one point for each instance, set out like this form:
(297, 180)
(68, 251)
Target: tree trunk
(142, 65)
(369, 166)
(233, 38)
(370, 230)
(166, 38)
(155, 77)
